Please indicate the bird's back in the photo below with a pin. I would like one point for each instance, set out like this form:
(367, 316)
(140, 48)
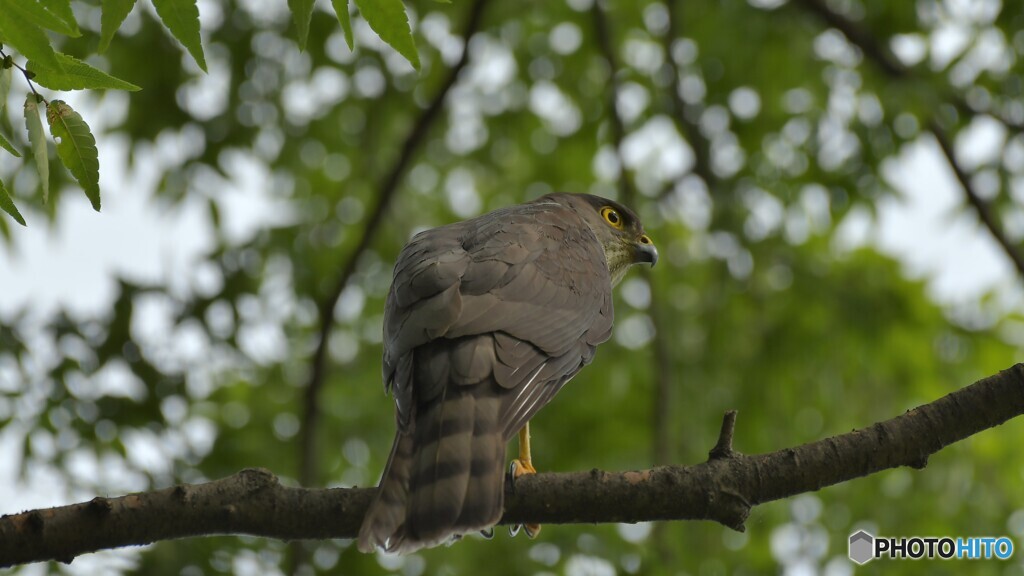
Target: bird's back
(485, 321)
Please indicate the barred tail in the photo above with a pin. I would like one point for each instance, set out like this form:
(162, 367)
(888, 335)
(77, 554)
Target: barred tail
(445, 477)
(384, 523)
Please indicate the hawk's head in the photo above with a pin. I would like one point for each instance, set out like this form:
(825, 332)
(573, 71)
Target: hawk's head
(617, 228)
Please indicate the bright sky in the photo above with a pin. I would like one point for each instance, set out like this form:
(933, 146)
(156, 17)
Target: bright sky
(935, 235)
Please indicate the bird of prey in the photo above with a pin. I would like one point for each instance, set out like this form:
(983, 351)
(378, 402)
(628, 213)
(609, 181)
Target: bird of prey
(484, 323)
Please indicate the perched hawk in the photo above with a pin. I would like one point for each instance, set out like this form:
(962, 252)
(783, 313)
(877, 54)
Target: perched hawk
(485, 321)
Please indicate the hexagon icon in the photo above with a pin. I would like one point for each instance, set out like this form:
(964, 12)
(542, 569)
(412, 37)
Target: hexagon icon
(862, 547)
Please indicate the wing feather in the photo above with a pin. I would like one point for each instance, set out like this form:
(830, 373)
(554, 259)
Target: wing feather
(533, 276)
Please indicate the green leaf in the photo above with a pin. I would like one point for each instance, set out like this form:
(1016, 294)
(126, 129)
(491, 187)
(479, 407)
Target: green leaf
(25, 36)
(7, 205)
(6, 145)
(36, 14)
(62, 9)
(182, 18)
(76, 148)
(5, 87)
(302, 12)
(37, 138)
(114, 13)
(388, 19)
(77, 75)
(341, 9)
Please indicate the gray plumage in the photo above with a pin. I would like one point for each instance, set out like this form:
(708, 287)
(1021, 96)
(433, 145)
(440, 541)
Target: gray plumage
(485, 321)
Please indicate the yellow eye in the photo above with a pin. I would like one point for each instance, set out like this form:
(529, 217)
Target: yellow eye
(612, 217)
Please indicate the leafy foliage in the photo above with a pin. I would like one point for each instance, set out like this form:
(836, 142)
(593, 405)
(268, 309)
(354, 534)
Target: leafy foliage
(37, 140)
(76, 147)
(784, 134)
(182, 19)
(388, 19)
(7, 205)
(345, 19)
(6, 145)
(5, 85)
(302, 12)
(62, 10)
(114, 13)
(23, 25)
(77, 75)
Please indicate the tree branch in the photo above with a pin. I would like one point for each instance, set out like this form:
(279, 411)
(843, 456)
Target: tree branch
(981, 208)
(723, 449)
(886, 60)
(858, 36)
(681, 111)
(418, 133)
(721, 489)
(603, 35)
(888, 63)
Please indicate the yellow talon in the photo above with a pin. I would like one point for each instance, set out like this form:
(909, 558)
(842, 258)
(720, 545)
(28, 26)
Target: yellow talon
(520, 467)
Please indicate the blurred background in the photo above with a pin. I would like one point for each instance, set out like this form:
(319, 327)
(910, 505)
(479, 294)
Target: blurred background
(836, 189)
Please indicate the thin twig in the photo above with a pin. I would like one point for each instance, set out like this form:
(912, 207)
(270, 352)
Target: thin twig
(859, 36)
(888, 63)
(27, 74)
(877, 52)
(723, 449)
(627, 190)
(981, 208)
(681, 111)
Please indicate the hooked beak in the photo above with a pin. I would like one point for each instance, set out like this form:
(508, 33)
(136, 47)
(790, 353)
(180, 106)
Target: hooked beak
(645, 251)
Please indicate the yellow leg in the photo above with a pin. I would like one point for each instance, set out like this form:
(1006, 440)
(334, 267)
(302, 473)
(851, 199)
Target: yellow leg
(522, 466)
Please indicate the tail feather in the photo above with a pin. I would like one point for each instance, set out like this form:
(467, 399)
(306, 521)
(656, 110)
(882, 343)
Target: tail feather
(450, 479)
(440, 473)
(384, 522)
(485, 496)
